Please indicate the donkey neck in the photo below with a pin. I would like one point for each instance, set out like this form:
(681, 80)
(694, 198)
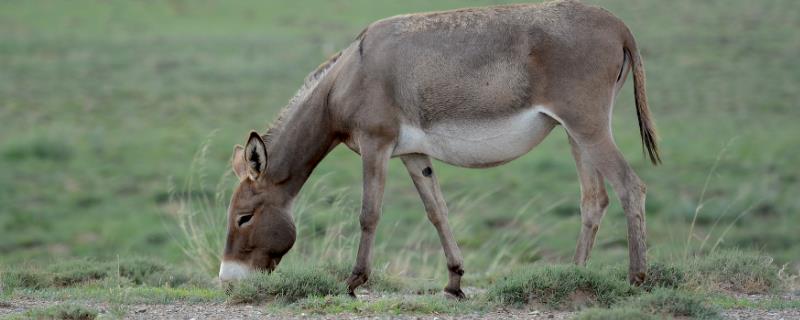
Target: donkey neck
(297, 144)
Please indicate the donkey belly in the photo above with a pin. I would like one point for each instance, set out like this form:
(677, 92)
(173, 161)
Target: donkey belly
(477, 143)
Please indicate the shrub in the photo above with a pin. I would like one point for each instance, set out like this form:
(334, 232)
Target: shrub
(559, 286)
(287, 285)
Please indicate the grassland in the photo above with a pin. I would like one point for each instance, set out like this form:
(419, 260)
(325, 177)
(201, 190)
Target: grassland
(117, 121)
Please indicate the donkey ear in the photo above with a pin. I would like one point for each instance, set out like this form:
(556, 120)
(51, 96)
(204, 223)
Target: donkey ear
(255, 156)
(238, 162)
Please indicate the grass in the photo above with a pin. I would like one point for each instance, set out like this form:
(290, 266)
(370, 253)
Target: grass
(285, 285)
(389, 304)
(136, 271)
(674, 303)
(559, 286)
(737, 271)
(616, 314)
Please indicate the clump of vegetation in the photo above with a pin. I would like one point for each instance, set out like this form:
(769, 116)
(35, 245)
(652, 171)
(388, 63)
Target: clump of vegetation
(560, 286)
(23, 279)
(676, 303)
(619, 313)
(73, 272)
(59, 312)
(287, 285)
(137, 271)
(736, 271)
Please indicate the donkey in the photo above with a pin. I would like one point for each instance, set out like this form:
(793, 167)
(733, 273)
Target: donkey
(475, 88)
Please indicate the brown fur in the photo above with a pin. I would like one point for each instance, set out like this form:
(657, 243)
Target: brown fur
(469, 66)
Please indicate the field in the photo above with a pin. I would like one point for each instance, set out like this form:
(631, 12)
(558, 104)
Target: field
(117, 120)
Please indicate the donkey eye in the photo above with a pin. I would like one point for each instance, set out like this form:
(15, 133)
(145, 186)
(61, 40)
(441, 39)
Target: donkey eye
(244, 219)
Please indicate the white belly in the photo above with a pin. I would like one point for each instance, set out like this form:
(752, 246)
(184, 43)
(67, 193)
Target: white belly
(476, 143)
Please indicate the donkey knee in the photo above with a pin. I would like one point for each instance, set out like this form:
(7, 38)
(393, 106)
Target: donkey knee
(593, 208)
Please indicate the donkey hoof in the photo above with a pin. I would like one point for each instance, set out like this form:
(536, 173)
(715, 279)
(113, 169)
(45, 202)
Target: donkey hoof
(455, 293)
(354, 281)
(637, 278)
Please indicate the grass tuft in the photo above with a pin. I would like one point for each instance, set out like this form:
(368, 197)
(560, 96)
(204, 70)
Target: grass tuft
(736, 271)
(659, 275)
(675, 303)
(285, 285)
(26, 279)
(560, 287)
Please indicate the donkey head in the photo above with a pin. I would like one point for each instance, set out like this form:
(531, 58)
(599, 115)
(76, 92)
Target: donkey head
(260, 227)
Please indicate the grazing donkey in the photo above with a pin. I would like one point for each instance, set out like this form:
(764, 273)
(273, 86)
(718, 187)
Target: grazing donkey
(473, 88)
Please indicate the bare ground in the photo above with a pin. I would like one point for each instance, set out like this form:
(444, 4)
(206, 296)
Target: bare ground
(183, 310)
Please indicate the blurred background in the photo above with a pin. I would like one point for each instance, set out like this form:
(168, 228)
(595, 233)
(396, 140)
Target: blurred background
(117, 121)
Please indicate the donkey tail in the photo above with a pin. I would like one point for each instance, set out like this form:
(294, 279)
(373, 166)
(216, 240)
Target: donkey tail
(647, 127)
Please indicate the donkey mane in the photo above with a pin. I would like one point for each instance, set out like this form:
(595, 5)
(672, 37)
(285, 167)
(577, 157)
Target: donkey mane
(311, 81)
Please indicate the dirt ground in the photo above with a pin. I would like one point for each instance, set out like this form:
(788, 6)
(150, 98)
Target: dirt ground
(181, 310)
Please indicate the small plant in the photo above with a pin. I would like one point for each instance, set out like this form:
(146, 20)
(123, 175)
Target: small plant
(560, 286)
(285, 285)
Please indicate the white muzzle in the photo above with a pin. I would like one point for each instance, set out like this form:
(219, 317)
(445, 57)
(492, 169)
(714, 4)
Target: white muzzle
(232, 270)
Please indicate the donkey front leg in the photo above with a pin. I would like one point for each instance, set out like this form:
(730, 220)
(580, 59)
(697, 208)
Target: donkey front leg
(421, 172)
(375, 160)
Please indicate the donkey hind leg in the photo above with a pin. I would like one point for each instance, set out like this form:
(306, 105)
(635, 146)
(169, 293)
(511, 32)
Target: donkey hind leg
(375, 160)
(421, 172)
(601, 152)
(594, 202)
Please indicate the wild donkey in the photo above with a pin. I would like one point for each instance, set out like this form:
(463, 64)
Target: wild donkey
(473, 88)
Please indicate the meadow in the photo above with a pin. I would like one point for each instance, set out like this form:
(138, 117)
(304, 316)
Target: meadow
(117, 121)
